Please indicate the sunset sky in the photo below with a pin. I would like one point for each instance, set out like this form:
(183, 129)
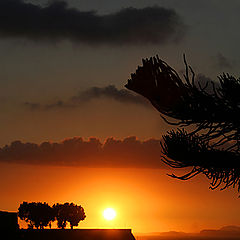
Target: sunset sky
(71, 132)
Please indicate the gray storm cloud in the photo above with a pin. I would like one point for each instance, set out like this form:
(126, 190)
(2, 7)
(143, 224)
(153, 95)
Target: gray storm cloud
(107, 92)
(57, 21)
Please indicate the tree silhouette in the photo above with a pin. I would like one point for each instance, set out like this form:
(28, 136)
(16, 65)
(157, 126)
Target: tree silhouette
(36, 214)
(212, 112)
(68, 212)
(40, 215)
(76, 214)
(60, 213)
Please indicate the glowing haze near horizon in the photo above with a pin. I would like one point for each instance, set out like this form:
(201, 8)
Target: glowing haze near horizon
(65, 84)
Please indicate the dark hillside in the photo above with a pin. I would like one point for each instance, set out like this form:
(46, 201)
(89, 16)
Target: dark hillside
(76, 234)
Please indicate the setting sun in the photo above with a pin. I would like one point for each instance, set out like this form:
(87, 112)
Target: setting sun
(109, 214)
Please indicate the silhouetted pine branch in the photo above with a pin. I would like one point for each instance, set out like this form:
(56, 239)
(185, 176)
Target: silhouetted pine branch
(212, 148)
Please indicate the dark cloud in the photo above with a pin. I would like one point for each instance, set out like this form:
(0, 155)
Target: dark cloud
(56, 105)
(222, 62)
(204, 82)
(109, 92)
(33, 106)
(129, 152)
(203, 79)
(207, 83)
(57, 22)
(227, 232)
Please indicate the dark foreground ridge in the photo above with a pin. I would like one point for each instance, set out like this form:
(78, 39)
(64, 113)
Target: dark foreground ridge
(10, 229)
(69, 234)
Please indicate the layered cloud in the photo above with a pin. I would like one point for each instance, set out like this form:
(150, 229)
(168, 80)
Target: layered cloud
(222, 62)
(108, 92)
(58, 22)
(126, 153)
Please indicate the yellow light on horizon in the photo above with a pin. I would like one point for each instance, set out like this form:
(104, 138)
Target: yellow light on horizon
(109, 214)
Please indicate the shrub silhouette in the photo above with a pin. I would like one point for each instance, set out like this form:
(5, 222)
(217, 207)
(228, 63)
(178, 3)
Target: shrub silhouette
(212, 110)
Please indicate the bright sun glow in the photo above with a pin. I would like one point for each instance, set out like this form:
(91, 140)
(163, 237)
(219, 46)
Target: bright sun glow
(109, 214)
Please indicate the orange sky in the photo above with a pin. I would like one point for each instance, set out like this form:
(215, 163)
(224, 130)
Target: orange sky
(145, 200)
(47, 71)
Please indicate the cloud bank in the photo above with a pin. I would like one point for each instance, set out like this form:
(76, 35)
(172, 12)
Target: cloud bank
(227, 232)
(222, 62)
(108, 92)
(113, 153)
(59, 22)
